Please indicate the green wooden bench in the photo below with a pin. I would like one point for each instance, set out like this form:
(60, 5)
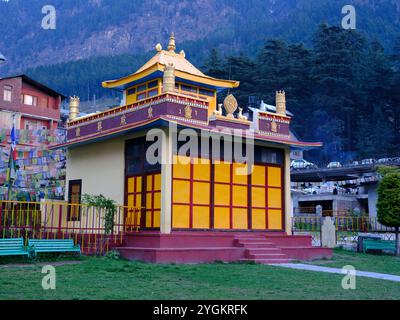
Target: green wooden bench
(371, 244)
(52, 246)
(13, 247)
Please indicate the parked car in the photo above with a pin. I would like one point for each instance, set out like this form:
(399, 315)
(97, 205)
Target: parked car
(355, 163)
(384, 160)
(334, 164)
(368, 161)
(302, 164)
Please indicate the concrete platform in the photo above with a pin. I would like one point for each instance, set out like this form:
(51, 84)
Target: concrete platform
(201, 247)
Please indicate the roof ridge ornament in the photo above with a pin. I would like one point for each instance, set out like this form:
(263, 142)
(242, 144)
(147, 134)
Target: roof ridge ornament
(158, 47)
(171, 44)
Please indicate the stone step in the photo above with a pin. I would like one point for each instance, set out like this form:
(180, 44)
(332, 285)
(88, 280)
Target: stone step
(254, 240)
(263, 250)
(267, 256)
(256, 245)
(267, 261)
(295, 241)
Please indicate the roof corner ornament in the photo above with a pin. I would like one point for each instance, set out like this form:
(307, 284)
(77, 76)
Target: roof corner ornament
(182, 53)
(218, 112)
(171, 44)
(230, 105)
(158, 47)
(241, 116)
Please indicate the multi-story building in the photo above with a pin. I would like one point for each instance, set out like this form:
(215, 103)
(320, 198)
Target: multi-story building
(35, 105)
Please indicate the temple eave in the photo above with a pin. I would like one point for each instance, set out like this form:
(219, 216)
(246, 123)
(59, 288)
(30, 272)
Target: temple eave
(157, 70)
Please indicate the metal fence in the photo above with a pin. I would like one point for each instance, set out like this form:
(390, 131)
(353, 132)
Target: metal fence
(95, 229)
(347, 228)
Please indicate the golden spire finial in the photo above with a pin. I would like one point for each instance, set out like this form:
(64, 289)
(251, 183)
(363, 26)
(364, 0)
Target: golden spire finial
(171, 44)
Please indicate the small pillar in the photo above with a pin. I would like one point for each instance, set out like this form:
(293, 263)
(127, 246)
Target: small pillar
(328, 233)
(169, 78)
(280, 100)
(73, 107)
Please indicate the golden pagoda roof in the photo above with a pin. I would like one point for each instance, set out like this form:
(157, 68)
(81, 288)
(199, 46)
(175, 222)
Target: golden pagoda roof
(183, 69)
(177, 59)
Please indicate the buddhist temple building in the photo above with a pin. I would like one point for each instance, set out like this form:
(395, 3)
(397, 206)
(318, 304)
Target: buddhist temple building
(202, 200)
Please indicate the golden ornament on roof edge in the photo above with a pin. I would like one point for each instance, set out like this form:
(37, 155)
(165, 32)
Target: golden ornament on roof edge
(230, 105)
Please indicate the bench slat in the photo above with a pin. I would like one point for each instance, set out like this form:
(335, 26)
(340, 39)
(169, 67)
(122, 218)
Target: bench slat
(12, 247)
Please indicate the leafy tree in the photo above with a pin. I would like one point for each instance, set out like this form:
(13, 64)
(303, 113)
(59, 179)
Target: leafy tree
(213, 65)
(389, 203)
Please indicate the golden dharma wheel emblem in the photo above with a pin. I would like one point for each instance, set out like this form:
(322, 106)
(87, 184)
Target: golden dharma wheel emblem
(150, 112)
(188, 112)
(230, 105)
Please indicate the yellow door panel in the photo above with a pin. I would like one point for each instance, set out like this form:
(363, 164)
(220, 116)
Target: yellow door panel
(201, 217)
(138, 200)
(258, 197)
(149, 183)
(131, 185)
(201, 193)
(239, 196)
(222, 172)
(201, 170)
(157, 200)
(138, 184)
(240, 173)
(274, 198)
(157, 182)
(156, 217)
(130, 201)
(275, 219)
(221, 218)
(274, 177)
(148, 219)
(258, 176)
(181, 191)
(239, 217)
(149, 199)
(222, 194)
(180, 216)
(181, 167)
(258, 219)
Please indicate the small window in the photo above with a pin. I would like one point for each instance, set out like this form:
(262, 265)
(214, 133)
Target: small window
(141, 96)
(74, 199)
(29, 100)
(153, 93)
(131, 91)
(205, 92)
(7, 93)
(188, 88)
(152, 84)
(141, 88)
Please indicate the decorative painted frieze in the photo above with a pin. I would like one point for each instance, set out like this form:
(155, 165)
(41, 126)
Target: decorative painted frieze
(274, 125)
(128, 117)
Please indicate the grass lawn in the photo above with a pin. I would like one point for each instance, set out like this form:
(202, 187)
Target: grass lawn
(105, 278)
(362, 262)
